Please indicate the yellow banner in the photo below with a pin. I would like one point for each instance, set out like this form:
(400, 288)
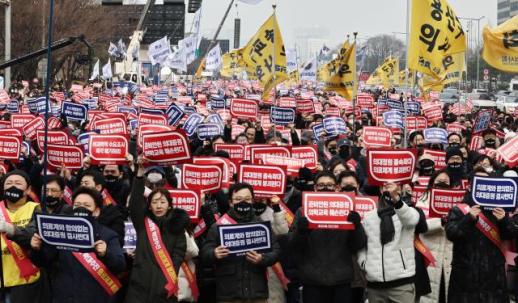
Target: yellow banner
(436, 32)
(339, 75)
(262, 50)
(501, 46)
(454, 65)
(389, 72)
(232, 63)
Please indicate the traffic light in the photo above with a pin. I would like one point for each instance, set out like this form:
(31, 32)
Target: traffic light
(194, 5)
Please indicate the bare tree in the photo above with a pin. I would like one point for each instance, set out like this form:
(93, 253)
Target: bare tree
(380, 47)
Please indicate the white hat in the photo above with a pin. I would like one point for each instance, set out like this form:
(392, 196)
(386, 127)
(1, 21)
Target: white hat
(510, 173)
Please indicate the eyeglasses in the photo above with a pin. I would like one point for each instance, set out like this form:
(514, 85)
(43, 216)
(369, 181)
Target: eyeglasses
(321, 186)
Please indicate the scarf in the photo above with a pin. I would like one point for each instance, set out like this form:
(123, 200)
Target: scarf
(386, 225)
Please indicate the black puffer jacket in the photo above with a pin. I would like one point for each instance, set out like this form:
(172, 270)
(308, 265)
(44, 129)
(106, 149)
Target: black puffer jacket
(237, 278)
(478, 272)
(324, 257)
(147, 281)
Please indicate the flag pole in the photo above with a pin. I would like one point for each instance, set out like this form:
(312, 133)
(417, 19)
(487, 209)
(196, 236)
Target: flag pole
(405, 99)
(47, 93)
(355, 91)
(274, 7)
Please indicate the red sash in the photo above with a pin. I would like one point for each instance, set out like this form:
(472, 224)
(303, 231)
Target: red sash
(287, 213)
(162, 256)
(107, 198)
(67, 195)
(99, 272)
(202, 227)
(225, 220)
(191, 278)
(486, 227)
(24, 264)
(425, 251)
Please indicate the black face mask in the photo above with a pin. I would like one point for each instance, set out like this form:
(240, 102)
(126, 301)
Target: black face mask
(349, 188)
(13, 194)
(386, 198)
(490, 143)
(259, 208)
(441, 185)
(82, 212)
(243, 208)
(344, 152)
(454, 144)
(365, 121)
(111, 179)
(420, 145)
(332, 151)
(51, 201)
(406, 198)
(455, 166)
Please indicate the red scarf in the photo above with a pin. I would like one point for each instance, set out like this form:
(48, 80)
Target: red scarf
(99, 272)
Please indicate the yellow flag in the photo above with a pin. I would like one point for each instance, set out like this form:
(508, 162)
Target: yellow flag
(232, 63)
(501, 46)
(339, 75)
(388, 71)
(201, 67)
(293, 78)
(402, 78)
(262, 50)
(436, 32)
(454, 66)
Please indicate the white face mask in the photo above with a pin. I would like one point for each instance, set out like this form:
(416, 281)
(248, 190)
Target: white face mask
(154, 177)
(488, 169)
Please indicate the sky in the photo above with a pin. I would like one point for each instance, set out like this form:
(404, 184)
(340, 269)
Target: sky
(330, 20)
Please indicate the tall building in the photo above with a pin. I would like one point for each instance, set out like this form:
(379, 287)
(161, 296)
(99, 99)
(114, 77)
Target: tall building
(507, 9)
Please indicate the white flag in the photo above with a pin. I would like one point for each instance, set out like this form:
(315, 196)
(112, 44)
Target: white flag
(309, 71)
(107, 70)
(121, 48)
(177, 61)
(213, 59)
(95, 72)
(113, 50)
(291, 60)
(159, 50)
(251, 1)
(188, 44)
(196, 27)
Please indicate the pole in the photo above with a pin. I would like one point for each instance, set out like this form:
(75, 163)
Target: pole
(7, 72)
(405, 99)
(47, 93)
(355, 91)
(274, 6)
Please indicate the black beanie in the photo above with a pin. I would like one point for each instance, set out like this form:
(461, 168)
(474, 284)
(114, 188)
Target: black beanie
(17, 172)
(453, 151)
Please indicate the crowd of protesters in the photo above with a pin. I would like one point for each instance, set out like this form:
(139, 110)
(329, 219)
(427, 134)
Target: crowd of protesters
(377, 260)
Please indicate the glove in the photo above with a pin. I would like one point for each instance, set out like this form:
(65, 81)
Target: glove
(7, 228)
(354, 218)
(303, 226)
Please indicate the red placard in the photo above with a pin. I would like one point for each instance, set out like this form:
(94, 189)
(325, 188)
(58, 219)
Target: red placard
(416, 123)
(438, 157)
(305, 106)
(327, 210)
(244, 109)
(203, 178)
(307, 153)
(32, 127)
(10, 148)
(166, 148)
(377, 136)
(10, 132)
(188, 200)
(54, 123)
(433, 113)
(476, 142)
(19, 120)
(108, 149)
(237, 130)
(417, 192)
(56, 137)
(145, 118)
(423, 181)
(257, 152)
(224, 163)
(332, 111)
(151, 129)
(365, 204)
(235, 151)
(509, 152)
(365, 101)
(65, 155)
(455, 128)
(387, 165)
(110, 126)
(292, 164)
(442, 200)
(287, 102)
(266, 180)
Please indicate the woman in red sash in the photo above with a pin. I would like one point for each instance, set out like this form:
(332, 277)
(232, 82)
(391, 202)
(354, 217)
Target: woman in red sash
(161, 244)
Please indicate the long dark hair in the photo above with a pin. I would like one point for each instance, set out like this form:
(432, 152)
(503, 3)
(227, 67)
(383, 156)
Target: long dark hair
(434, 176)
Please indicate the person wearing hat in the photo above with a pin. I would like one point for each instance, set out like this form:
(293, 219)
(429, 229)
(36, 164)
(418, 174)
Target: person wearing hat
(22, 279)
(455, 166)
(72, 275)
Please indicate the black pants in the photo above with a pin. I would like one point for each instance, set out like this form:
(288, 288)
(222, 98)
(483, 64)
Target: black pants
(332, 294)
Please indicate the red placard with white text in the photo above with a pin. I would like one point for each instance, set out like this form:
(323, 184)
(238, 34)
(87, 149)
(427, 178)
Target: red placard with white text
(305, 106)
(10, 148)
(364, 204)
(244, 109)
(188, 200)
(417, 192)
(10, 132)
(65, 155)
(32, 127)
(307, 153)
(224, 163)
(166, 148)
(327, 210)
(377, 136)
(438, 157)
(266, 180)
(388, 165)
(110, 126)
(108, 149)
(292, 164)
(235, 151)
(203, 178)
(433, 113)
(442, 200)
(257, 152)
(145, 118)
(56, 137)
(509, 152)
(19, 120)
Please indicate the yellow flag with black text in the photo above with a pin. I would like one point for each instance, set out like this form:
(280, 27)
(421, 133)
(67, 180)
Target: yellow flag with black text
(501, 46)
(339, 75)
(265, 56)
(232, 63)
(435, 33)
(388, 71)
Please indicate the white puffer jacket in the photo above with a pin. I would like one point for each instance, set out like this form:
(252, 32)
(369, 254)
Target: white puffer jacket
(279, 227)
(184, 290)
(442, 250)
(394, 260)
